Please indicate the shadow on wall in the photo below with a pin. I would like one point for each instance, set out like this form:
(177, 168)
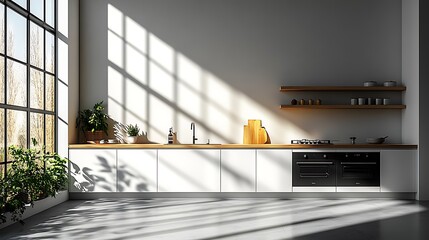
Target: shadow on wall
(157, 87)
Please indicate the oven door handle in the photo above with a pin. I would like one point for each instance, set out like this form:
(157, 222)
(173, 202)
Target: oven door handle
(358, 163)
(314, 163)
(310, 175)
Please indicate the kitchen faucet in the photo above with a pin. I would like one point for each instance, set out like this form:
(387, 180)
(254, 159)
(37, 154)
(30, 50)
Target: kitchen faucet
(193, 132)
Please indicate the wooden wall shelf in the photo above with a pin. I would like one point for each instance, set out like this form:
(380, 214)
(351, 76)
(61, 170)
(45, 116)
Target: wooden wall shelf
(288, 107)
(340, 88)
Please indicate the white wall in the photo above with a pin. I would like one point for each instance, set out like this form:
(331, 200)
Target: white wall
(163, 63)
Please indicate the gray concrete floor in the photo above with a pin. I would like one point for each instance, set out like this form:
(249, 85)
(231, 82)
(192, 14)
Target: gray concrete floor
(228, 219)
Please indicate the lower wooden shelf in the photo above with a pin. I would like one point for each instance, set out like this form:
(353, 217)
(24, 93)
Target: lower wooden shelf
(287, 107)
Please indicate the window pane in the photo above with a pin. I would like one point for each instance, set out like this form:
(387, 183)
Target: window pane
(50, 12)
(1, 135)
(16, 35)
(36, 45)
(22, 3)
(37, 128)
(50, 47)
(36, 89)
(50, 133)
(16, 83)
(50, 93)
(1, 28)
(36, 8)
(2, 79)
(16, 128)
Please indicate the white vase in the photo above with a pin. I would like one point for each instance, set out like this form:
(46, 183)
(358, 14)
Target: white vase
(132, 139)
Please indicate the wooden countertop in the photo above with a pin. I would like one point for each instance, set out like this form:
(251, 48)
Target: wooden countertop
(241, 146)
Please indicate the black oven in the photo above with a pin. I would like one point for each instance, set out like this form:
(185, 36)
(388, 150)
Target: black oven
(314, 169)
(358, 169)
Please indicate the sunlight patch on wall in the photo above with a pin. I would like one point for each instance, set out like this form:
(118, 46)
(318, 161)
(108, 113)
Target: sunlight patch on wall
(153, 85)
(135, 64)
(189, 73)
(115, 93)
(161, 82)
(136, 35)
(161, 117)
(115, 51)
(115, 20)
(136, 104)
(161, 53)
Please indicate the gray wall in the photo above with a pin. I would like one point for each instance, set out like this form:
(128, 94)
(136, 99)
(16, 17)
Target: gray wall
(73, 65)
(251, 48)
(410, 72)
(424, 99)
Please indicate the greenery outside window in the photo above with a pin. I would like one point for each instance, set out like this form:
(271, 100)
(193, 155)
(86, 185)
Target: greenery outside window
(27, 75)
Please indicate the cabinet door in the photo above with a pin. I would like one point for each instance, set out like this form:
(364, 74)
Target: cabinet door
(92, 170)
(137, 170)
(238, 170)
(398, 171)
(274, 170)
(186, 170)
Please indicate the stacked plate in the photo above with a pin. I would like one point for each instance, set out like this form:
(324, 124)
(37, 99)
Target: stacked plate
(369, 84)
(389, 83)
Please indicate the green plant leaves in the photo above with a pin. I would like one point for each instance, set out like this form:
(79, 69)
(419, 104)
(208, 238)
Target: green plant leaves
(93, 119)
(132, 130)
(33, 175)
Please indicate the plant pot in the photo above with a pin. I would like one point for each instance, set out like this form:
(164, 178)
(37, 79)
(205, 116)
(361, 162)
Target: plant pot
(94, 136)
(132, 139)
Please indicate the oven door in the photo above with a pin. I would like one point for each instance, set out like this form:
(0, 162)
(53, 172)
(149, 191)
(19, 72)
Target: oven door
(313, 173)
(358, 173)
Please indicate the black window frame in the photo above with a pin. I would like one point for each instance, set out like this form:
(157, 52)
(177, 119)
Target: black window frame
(30, 18)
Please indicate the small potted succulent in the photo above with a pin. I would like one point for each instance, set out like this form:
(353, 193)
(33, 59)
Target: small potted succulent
(132, 133)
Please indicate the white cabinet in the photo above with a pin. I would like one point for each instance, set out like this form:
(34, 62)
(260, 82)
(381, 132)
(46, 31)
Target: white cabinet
(92, 170)
(137, 170)
(189, 170)
(274, 170)
(398, 171)
(238, 170)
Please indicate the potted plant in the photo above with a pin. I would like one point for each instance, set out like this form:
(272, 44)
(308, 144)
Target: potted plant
(34, 174)
(132, 133)
(93, 122)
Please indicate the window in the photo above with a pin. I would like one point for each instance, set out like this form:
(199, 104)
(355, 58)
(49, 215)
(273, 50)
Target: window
(27, 75)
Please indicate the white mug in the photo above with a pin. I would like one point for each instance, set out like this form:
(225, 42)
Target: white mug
(386, 101)
(378, 101)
